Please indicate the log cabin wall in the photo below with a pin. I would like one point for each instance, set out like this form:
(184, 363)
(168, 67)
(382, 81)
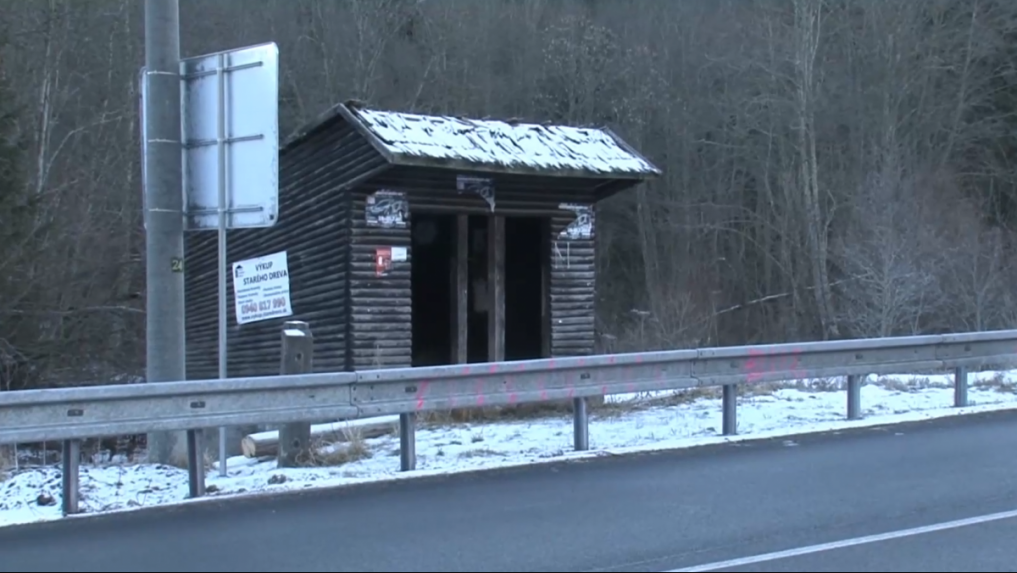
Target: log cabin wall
(573, 285)
(313, 229)
(380, 307)
(381, 333)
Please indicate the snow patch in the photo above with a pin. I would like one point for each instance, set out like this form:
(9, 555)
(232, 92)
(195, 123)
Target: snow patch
(503, 144)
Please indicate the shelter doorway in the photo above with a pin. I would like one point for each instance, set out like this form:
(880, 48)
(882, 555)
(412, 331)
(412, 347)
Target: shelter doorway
(527, 256)
(432, 314)
(453, 266)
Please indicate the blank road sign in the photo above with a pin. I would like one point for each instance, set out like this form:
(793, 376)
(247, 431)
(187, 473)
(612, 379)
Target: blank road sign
(242, 87)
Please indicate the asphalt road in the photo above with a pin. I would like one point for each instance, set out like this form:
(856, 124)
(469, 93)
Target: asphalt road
(653, 513)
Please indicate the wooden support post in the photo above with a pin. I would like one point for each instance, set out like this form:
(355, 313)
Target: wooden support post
(461, 292)
(297, 358)
(496, 288)
(546, 261)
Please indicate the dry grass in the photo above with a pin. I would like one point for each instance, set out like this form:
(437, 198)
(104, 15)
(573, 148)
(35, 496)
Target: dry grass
(910, 383)
(209, 459)
(480, 453)
(343, 447)
(599, 407)
(682, 397)
(648, 400)
(497, 413)
(8, 461)
(998, 383)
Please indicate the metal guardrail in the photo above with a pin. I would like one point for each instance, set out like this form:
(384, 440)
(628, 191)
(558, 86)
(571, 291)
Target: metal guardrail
(71, 414)
(86, 412)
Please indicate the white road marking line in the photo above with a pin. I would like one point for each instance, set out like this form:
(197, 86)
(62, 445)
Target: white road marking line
(847, 543)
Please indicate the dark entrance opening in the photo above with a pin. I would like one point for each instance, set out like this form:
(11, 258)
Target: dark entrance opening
(432, 253)
(526, 255)
(526, 258)
(433, 283)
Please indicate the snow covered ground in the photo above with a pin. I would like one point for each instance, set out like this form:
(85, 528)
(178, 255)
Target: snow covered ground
(627, 423)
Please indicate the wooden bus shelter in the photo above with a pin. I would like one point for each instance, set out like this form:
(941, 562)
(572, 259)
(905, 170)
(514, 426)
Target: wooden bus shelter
(420, 240)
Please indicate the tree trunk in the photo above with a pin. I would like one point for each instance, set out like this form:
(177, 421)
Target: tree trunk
(807, 30)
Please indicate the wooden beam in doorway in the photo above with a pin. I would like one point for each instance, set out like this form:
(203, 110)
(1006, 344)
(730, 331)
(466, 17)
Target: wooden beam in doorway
(546, 259)
(461, 291)
(496, 288)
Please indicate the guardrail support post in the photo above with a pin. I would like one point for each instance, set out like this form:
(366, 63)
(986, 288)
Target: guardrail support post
(407, 442)
(71, 460)
(730, 402)
(580, 425)
(297, 358)
(854, 397)
(960, 386)
(195, 464)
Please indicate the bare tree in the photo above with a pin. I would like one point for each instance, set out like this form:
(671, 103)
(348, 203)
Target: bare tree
(831, 166)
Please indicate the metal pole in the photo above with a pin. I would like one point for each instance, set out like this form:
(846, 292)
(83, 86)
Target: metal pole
(854, 397)
(408, 442)
(71, 460)
(221, 143)
(960, 386)
(580, 425)
(729, 422)
(195, 464)
(164, 225)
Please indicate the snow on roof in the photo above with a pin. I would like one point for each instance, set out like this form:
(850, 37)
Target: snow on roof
(499, 145)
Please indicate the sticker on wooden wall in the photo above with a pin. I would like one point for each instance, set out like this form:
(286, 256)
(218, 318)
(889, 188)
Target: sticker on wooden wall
(387, 209)
(261, 288)
(382, 261)
(483, 186)
(582, 226)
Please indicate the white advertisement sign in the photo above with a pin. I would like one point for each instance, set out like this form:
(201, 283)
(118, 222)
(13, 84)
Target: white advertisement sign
(261, 288)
